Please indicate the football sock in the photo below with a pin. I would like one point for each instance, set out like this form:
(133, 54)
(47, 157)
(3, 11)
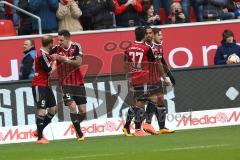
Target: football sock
(161, 116)
(81, 117)
(76, 123)
(40, 126)
(151, 108)
(47, 119)
(139, 117)
(130, 115)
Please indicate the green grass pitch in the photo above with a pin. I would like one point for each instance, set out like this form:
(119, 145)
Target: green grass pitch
(221, 143)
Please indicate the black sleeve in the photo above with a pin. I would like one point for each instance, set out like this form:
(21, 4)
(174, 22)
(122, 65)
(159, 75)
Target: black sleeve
(27, 66)
(150, 55)
(44, 63)
(53, 50)
(78, 51)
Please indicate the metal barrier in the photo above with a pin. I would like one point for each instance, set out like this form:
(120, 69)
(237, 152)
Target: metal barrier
(25, 12)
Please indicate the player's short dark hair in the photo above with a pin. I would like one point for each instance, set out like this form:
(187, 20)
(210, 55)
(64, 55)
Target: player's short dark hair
(46, 40)
(140, 33)
(147, 27)
(156, 30)
(65, 33)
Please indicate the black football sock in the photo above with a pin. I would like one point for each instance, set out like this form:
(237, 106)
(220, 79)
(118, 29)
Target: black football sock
(47, 119)
(161, 116)
(151, 108)
(130, 116)
(81, 117)
(76, 123)
(40, 126)
(139, 117)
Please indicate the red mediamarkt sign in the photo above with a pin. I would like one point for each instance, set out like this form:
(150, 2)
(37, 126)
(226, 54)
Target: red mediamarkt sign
(184, 46)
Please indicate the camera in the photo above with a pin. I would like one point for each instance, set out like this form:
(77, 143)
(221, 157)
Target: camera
(177, 18)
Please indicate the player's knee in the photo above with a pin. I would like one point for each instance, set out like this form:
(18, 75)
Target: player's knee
(140, 104)
(160, 98)
(82, 109)
(41, 112)
(52, 110)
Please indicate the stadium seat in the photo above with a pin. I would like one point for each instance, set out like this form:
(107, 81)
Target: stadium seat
(163, 15)
(7, 28)
(192, 16)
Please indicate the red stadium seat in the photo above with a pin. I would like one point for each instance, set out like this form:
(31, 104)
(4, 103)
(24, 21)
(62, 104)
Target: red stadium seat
(7, 28)
(192, 16)
(163, 16)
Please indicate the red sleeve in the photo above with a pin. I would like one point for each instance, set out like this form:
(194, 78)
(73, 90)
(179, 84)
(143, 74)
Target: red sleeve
(119, 9)
(138, 6)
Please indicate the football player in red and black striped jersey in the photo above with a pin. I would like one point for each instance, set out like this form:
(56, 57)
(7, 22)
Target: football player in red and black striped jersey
(42, 92)
(69, 56)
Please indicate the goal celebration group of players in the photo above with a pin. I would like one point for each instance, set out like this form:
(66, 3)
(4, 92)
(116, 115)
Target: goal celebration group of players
(146, 71)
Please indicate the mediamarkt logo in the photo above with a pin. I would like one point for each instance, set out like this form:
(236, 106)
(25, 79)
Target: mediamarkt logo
(108, 126)
(206, 119)
(15, 134)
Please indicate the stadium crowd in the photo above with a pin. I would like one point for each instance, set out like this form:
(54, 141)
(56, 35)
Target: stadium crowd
(104, 14)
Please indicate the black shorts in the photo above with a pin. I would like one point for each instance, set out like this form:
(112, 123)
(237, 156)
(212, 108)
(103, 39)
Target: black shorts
(75, 93)
(43, 97)
(142, 92)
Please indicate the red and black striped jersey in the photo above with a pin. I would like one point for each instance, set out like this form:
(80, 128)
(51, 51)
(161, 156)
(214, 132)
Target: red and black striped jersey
(67, 73)
(141, 61)
(42, 64)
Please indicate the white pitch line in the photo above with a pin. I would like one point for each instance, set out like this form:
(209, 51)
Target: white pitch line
(191, 148)
(156, 150)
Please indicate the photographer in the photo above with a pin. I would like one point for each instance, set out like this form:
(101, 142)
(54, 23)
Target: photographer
(100, 12)
(176, 15)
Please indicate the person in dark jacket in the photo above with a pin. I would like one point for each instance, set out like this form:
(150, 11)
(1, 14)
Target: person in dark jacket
(46, 10)
(25, 27)
(101, 14)
(227, 48)
(27, 65)
(215, 9)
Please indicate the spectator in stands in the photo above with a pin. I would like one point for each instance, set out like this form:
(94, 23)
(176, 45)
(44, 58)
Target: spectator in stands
(86, 18)
(46, 10)
(227, 48)
(214, 10)
(101, 12)
(2, 11)
(166, 4)
(127, 12)
(148, 18)
(68, 14)
(234, 7)
(16, 19)
(8, 10)
(176, 15)
(27, 64)
(25, 26)
(186, 6)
